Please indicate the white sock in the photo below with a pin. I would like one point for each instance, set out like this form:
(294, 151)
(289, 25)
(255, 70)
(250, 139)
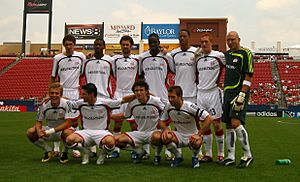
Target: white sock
(207, 141)
(43, 145)
(173, 148)
(243, 138)
(147, 148)
(93, 149)
(230, 143)
(81, 148)
(56, 146)
(220, 145)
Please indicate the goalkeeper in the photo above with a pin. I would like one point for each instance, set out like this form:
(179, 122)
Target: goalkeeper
(238, 77)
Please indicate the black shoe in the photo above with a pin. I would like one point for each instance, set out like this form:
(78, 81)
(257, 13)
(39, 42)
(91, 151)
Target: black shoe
(64, 158)
(139, 157)
(47, 157)
(177, 161)
(156, 160)
(228, 162)
(245, 162)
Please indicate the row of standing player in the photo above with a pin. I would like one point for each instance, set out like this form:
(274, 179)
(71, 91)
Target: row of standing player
(154, 66)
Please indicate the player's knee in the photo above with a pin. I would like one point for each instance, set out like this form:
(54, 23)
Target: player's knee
(168, 139)
(235, 123)
(109, 141)
(156, 138)
(70, 140)
(133, 126)
(217, 124)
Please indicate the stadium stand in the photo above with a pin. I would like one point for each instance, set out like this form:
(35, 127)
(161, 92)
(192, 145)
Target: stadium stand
(289, 74)
(4, 62)
(28, 79)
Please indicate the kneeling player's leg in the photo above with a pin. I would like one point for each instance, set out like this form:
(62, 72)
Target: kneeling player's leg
(171, 144)
(219, 138)
(75, 141)
(106, 145)
(156, 141)
(39, 142)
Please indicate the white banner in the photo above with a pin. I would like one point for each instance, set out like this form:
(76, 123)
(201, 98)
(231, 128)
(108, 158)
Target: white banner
(114, 32)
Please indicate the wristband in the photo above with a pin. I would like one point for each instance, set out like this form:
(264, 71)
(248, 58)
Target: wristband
(246, 82)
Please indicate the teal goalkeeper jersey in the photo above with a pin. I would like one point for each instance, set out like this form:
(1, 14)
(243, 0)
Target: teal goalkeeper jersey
(238, 64)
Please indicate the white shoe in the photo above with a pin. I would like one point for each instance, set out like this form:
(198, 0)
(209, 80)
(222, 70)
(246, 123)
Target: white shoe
(85, 158)
(101, 158)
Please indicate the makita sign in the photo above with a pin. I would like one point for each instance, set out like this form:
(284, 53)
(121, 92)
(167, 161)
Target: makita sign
(164, 31)
(85, 31)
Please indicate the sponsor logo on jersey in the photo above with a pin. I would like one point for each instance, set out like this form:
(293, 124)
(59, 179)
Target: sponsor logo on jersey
(126, 68)
(93, 117)
(230, 67)
(184, 64)
(153, 69)
(97, 72)
(69, 68)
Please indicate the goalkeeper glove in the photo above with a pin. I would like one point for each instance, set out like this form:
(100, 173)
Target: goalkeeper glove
(238, 102)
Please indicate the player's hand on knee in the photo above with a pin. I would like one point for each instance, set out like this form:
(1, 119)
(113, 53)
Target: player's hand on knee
(195, 140)
(166, 135)
(238, 102)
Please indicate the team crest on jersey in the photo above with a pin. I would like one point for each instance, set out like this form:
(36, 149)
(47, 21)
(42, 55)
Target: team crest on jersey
(131, 64)
(235, 60)
(152, 112)
(162, 64)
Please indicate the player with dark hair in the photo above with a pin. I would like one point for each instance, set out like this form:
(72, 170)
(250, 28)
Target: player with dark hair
(146, 110)
(154, 68)
(125, 69)
(238, 78)
(95, 113)
(67, 70)
(185, 115)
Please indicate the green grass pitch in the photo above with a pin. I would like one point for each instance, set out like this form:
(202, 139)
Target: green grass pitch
(269, 139)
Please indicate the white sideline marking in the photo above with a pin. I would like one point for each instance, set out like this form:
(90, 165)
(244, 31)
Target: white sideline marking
(285, 122)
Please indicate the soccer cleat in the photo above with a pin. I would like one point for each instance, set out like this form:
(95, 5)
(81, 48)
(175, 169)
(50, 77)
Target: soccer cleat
(139, 157)
(133, 155)
(169, 157)
(245, 162)
(64, 158)
(85, 158)
(177, 161)
(114, 154)
(228, 162)
(195, 162)
(220, 159)
(156, 160)
(47, 157)
(146, 156)
(56, 154)
(93, 155)
(206, 159)
(76, 154)
(101, 158)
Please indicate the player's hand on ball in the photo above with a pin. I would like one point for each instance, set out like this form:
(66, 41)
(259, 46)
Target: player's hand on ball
(238, 102)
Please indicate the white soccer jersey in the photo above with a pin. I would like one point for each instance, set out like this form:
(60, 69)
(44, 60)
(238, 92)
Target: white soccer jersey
(186, 118)
(99, 72)
(146, 115)
(155, 70)
(209, 70)
(54, 115)
(68, 69)
(125, 71)
(97, 116)
(185, 70)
